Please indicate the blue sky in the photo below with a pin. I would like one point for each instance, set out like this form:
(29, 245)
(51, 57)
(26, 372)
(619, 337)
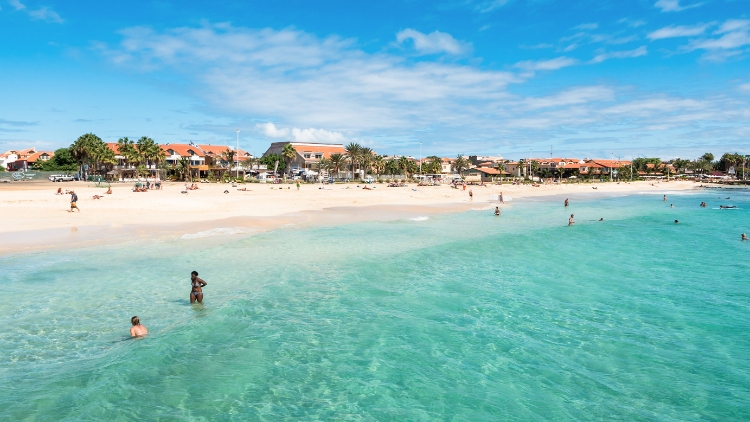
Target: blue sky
(586, 78)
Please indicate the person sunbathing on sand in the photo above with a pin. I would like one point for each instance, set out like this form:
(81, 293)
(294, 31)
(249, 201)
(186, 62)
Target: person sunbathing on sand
(59, 191)
(97, 197)
(137, 330)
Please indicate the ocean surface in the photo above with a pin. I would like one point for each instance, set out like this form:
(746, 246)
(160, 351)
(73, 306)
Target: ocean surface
(464, 316)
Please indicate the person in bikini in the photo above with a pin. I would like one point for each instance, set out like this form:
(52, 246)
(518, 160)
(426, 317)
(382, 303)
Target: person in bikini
(197, 287)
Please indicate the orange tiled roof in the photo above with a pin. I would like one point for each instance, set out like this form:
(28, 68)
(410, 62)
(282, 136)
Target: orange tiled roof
(326, 150)
(183, 150)
(35, 156)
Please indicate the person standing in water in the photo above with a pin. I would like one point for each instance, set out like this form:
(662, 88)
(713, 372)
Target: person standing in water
(197, 287)
(570, 220)
(497, 210)
(137, 330)
(566, 203)
(665, 198)
(501, 198)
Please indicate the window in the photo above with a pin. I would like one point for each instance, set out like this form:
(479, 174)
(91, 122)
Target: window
(318, 155)
(307, 155)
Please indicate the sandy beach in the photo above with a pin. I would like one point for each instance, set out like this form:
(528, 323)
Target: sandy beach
(35, 217)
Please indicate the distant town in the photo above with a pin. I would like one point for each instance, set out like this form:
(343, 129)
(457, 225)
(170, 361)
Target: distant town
(130, 159)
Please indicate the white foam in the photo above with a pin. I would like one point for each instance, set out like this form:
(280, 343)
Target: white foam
(221, 231)
(419, 218)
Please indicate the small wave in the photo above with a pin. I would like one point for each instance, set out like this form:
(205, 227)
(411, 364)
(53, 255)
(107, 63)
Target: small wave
(419, 218)
(222, 231)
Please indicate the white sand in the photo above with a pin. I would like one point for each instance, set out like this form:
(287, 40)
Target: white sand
(34, 216)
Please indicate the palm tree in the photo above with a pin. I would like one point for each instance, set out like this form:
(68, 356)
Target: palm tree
(183, 168)
(460, 164)
(288, 153)
(378, 164)
(403, 165)
(354, 152)
(366, 158)
(337, 161)
(83, 148)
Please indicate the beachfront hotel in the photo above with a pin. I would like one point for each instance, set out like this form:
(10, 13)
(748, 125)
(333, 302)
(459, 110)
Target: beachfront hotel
(308, 154)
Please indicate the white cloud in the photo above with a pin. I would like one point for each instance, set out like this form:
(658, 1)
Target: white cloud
(678, 31)
(674, 5)
(640, 51)
(16, 4)
(745, 87)
(434, 42)
(269, 129)
(328, 90)
(632, 23)
(552, 64)
(731, 37)
(300, 135)
(42, 14)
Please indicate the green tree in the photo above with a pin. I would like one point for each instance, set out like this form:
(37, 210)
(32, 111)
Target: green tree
(289, 154)
(337, 162)
(707, 157)
(460, 164)
(378, 164)
(353, 153)
(270, 161)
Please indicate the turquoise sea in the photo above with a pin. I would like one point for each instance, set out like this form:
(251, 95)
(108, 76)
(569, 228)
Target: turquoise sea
(466, 317)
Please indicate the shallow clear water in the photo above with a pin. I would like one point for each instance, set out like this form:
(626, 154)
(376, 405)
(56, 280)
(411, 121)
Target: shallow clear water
(455, 317)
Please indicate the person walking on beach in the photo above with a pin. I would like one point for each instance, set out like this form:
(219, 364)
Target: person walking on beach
(297, 184)
(471, 195)
(501, 198)
(73, 200)
(137, 330)
(570, 220)
(566, 203)
(197, 287)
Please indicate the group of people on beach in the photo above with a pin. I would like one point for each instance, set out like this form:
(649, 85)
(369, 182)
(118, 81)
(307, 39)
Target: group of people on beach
(196, 295)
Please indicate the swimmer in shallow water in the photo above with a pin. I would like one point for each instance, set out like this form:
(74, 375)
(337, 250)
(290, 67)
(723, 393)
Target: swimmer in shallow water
(744, 236)
(497, 210)
(197, 287)
(570, 220)
(137, 330)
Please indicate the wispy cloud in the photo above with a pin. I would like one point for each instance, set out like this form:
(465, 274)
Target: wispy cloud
(16, 123)
(674, 5)
(586, 26)
(745, 87)
(727, 41)
(678, 31)
(552, 64)
(632, 23)
(433, 43)
(485, 6)
(327, 89)
(640, 51)
(43, 13)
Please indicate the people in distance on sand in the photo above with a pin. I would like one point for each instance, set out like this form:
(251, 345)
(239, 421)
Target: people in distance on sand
(744, 236)
(501, 198)
(73, 201)
(566, 203)
(471, 195)
(109, 191)
(197, 287)
(570, 220)
(497, 210)
(59, 191)
(137, 330)
(97, 197)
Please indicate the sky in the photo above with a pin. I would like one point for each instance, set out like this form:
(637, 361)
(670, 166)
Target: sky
(516, 78)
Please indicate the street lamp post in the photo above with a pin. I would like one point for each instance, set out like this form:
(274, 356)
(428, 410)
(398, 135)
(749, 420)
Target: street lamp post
(420, 158)
(237, 155)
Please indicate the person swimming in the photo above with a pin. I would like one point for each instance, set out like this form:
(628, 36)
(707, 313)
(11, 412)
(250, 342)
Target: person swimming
(497, 210)
(601, 219)
(197, 287)
(744, 236)
(676, 222)
(137, 330)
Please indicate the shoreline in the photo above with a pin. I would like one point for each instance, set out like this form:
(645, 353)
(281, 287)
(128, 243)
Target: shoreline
(36, 219)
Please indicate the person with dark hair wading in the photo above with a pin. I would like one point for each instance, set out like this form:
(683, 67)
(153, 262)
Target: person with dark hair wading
(197, 287)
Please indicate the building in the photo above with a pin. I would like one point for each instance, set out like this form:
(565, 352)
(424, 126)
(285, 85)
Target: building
(308, 154)
(24, 159)
(483, 174)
